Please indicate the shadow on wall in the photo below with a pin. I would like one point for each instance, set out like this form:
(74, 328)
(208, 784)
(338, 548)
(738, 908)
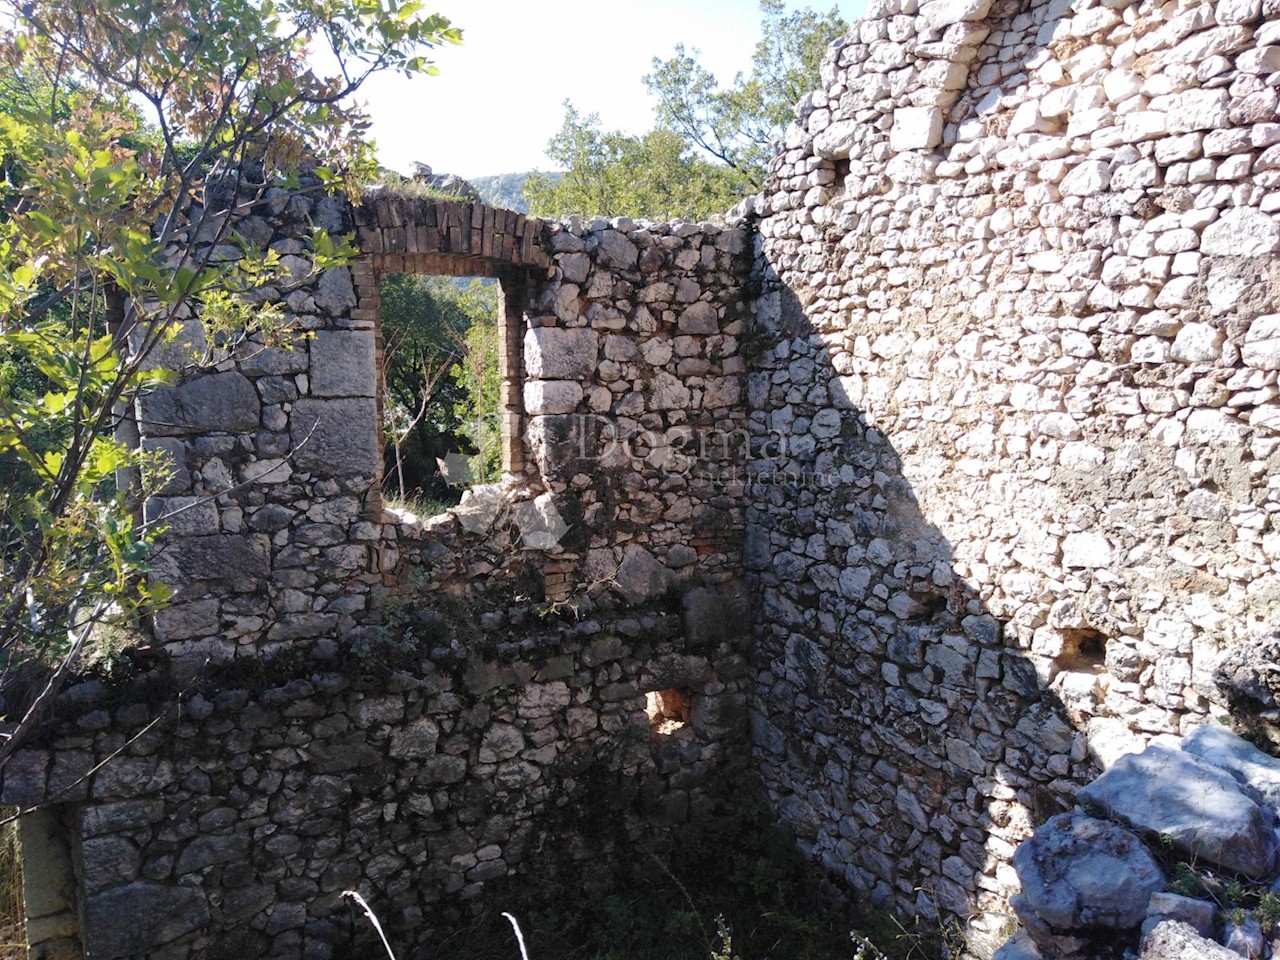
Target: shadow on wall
(904, 741)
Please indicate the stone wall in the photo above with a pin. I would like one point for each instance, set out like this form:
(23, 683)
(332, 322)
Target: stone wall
(226, 818)
(414, 707)
(990, 425)
(1020, 263)
(622, 383)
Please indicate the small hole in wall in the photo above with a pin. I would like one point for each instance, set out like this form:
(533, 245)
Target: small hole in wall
(668, 710)
(1082, 649)
(843, 167)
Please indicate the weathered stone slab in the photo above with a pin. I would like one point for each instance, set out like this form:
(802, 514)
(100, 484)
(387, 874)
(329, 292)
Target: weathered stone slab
(336, 438)
(335, 294)
(1200, 914)
(343, 364)
(700, 317)
(1238, 757)
(641, 576)
(551, 396)
(938, 14)
(552, 353)
(1180, 799)
(1241, 232)
(227, 557)
(616, 250)
(1174, 940)
(181, 621)
(711, 615)
(182, 516)
(916, 128)
(225, 402)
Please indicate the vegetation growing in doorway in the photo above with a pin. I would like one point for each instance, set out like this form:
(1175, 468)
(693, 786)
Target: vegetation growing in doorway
(440, 339)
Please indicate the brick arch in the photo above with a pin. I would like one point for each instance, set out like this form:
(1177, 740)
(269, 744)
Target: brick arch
(399, 234)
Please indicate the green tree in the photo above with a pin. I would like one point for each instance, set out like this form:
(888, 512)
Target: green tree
(441, 368)
(738, 124)
(614, 174)
(124, 129)
(711, 145)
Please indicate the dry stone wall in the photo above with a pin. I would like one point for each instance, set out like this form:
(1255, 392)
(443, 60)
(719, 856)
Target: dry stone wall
(622, 419)
(990, 424)
(226, 818)
(1019, 333)
(412, 708)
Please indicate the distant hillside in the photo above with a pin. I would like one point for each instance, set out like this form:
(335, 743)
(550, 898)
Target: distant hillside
(506, 189)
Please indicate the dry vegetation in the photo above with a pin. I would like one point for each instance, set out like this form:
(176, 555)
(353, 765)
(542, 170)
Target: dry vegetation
(12, 942)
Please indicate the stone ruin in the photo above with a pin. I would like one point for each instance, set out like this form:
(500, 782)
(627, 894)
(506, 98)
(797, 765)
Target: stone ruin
(934, 483)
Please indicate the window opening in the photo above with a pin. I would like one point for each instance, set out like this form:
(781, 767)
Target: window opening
(668, 710)
(449, 391)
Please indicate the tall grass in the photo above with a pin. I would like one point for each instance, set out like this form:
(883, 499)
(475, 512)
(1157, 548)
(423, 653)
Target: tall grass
(13, 941)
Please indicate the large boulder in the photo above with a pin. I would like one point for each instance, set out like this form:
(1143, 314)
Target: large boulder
(1177, 798)
(1082, 878)
(1240, 758)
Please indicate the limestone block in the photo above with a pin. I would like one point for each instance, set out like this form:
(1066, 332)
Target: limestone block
(575, 266)
(501, 741)
(551, 396)
(938, 14)
(182, 516)
(710, 615)
(224, 402)
(836, 141)
(722, 392)
(172, 456)
(1198, 343)
(1019, 947)
(182, 621)
(1087, 179)
(552, 353)
(617, 251)
(24, 778)
(1162, 906)
(108, 861)
(1199, 808)
(343, 364)
(480, 508)
(1241, 232)
(335, 438)
(1089, 550)
(674, 670)
(1237, 11)
(415, 741)
(700, 317)
(668, 393)
(335, 294)
(1262, 343)
(1175, 940)
(916, 128)
(1238, 757)
(229, 558)
(540, 522)
(640, 575)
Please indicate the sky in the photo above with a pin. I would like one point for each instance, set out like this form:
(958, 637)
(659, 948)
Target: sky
(499, 97)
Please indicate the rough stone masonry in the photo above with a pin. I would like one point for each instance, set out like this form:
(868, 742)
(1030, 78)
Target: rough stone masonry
(980, 401)
(1020, 314)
